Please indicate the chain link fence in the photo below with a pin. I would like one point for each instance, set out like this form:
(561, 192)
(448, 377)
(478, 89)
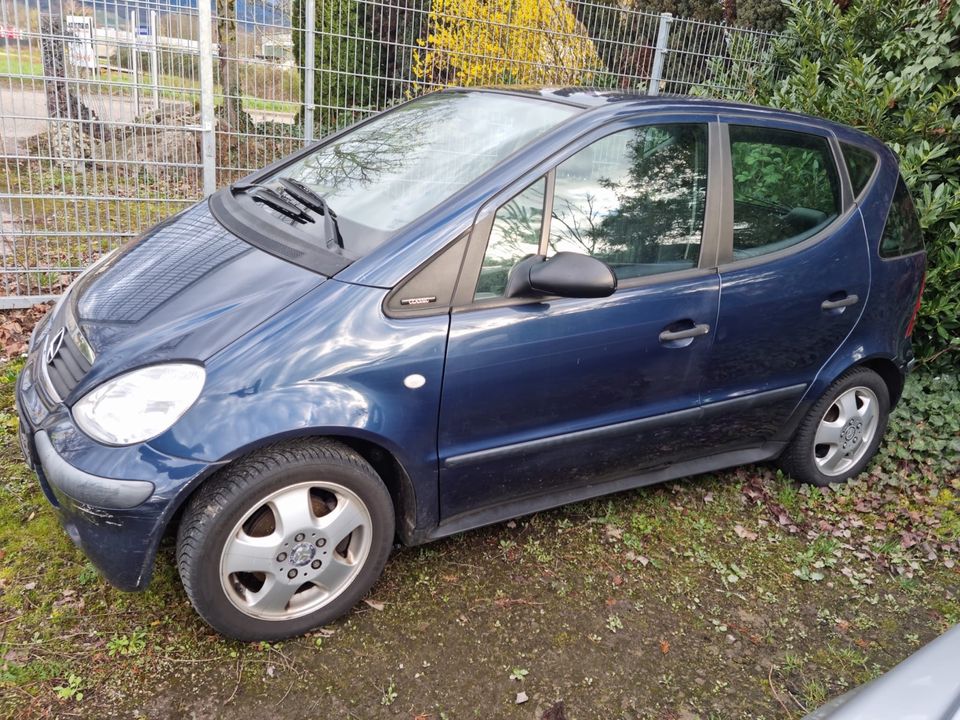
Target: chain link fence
(113, 116)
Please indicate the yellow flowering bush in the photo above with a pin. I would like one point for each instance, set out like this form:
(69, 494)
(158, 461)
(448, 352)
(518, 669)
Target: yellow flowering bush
(489, 42)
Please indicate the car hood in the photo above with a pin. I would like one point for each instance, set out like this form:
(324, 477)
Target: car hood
(925, 686)
(183, 291)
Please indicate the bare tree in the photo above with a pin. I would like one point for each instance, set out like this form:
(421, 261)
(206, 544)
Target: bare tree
(62, 101)
(232, 112)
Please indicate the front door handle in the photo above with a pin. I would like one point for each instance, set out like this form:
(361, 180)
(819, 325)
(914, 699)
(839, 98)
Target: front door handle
(841, 303)
(695, 331)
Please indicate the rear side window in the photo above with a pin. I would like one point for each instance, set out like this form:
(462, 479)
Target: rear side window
(902, 234)
(785, 188)
(860, 165)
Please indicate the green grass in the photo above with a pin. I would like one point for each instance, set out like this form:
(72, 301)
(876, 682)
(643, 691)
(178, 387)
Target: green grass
(26, 63)
(686, 598)
(22, 63)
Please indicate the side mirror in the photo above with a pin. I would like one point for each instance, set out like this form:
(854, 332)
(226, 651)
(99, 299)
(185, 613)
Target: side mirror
(566, 274)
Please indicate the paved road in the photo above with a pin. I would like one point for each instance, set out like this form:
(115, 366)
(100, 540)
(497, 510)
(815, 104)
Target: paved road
(23, 113)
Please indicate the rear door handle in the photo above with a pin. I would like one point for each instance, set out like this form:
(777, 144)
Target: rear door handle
(695, 331)
(841, 303)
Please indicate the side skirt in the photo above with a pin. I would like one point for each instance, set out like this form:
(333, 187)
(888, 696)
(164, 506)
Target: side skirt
(546, 501)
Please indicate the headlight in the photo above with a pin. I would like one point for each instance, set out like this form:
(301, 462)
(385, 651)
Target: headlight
(139, 405)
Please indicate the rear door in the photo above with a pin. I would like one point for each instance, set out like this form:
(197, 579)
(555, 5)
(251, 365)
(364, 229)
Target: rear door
(542, 396)
(794, 275)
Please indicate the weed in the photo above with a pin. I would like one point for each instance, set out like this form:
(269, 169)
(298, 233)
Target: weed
(519, 674)
(72, 690)
(389, 694)
(132, 644)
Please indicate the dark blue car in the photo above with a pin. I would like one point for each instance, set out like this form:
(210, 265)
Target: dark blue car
(476, 305)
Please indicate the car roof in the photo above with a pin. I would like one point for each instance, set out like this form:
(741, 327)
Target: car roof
(595, 99)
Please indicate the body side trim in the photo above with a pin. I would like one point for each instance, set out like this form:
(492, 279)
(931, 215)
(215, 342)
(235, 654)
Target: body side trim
(688, 414)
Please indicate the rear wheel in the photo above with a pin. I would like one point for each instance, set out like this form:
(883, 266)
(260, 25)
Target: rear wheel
(285, 540)
(841, 432)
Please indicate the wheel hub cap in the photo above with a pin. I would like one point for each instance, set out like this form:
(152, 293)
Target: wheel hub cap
(846, 431)
(302, 553)
(295, 550)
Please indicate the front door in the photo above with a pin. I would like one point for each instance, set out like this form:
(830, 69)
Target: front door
(542, 395)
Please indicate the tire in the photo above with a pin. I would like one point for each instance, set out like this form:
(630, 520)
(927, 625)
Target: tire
(841, 432)
(284, 540)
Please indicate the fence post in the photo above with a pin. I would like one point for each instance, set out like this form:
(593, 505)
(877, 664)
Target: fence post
(208, 155)
(154, 59)
(660, 53)
(135, 60)
(309, 26)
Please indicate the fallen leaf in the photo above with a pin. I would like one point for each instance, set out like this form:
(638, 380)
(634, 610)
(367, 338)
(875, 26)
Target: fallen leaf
(618, 580)
(375, 604)
(664, 647)
(741, 531)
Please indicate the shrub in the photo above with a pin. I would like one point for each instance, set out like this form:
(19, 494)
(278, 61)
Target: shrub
(892, 69)
(483, 42)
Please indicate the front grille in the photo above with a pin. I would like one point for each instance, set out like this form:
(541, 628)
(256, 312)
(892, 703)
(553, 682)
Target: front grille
(67, 367)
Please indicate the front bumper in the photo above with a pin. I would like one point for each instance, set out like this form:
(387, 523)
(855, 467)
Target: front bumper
(114, 503)
(82, 487)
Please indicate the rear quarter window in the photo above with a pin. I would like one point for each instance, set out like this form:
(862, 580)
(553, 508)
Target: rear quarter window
(902, 234)
(860, 166)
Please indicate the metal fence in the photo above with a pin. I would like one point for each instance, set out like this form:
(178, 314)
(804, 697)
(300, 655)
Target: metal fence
(114, 115)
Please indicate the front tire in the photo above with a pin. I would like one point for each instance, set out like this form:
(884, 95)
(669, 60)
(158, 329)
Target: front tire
(285, 540)
(841, 432)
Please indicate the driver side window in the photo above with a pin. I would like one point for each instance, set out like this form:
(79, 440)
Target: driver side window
(634, 199)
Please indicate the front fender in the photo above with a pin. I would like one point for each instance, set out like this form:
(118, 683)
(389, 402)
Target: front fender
(330, 364)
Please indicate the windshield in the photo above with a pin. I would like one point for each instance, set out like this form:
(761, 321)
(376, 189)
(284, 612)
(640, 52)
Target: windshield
(340, 201)
(391, 170)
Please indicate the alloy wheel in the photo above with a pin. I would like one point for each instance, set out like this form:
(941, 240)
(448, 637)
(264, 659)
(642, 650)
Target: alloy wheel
(846, 431)
(295, 551)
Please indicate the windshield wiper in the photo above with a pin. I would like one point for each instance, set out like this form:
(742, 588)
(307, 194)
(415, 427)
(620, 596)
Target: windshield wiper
(271, 198)
(304, 194)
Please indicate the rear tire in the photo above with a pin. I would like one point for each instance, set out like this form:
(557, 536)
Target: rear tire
(285, 540)
(841, 432)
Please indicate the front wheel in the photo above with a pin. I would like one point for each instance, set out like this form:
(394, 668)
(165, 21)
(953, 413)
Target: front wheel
(285, 540)
(841, 432)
